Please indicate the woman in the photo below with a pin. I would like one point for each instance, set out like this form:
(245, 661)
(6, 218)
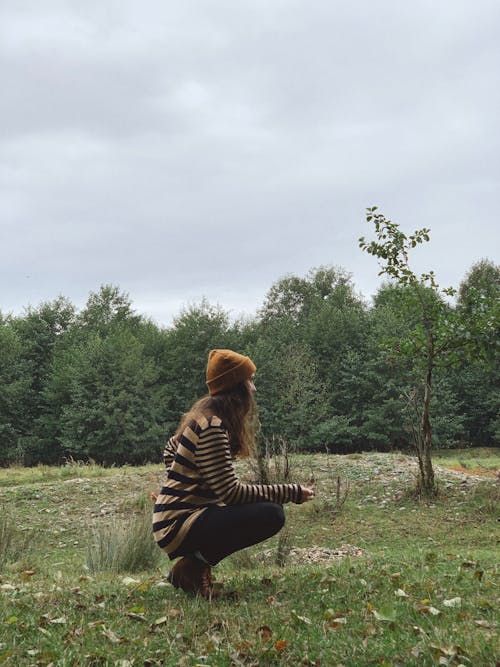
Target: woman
(203, 512)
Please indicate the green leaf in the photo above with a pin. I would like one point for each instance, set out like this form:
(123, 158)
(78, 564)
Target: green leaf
(137, 609)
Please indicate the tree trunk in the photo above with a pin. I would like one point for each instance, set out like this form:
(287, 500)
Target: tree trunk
(426, 480)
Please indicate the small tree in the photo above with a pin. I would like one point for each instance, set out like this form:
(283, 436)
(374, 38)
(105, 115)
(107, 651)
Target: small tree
(438, 332)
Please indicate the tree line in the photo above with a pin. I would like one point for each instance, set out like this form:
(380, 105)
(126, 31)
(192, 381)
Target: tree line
(110, 385)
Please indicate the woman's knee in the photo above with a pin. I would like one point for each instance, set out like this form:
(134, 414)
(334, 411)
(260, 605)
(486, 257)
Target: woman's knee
(275, 516)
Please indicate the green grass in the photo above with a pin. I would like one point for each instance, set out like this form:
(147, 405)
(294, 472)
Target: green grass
(480, 460)
(424, 592)
(14, 475)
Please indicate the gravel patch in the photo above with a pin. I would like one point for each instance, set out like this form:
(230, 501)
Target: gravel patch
(301, 556)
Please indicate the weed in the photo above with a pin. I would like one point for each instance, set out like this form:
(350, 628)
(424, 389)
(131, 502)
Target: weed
(334, 492)
(273, 461)
(284, 547)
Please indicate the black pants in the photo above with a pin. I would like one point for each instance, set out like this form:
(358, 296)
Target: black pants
(220, 531)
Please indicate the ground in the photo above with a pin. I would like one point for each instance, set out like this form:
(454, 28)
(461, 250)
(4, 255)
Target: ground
(363, 575)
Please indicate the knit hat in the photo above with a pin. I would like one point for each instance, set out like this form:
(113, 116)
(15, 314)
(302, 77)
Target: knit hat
(226, 369)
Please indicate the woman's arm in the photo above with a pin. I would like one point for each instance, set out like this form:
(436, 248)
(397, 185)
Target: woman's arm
(213, 458)
(170, 451)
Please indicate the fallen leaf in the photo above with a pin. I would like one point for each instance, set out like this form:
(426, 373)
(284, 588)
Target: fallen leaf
(136, 617)
(112, 636)
(453, 602)
(302, 619)
(7, 587)
(486, 624)
(128, 581)
(426, 609)
(400, 593)
(448, 652)
(7, 654)
(386, 614)
(281, 644)
(137, 609)
(265, 633)
(161, 621)
(484, 603)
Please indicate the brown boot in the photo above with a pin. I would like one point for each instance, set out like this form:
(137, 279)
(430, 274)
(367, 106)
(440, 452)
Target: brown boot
(192, 576)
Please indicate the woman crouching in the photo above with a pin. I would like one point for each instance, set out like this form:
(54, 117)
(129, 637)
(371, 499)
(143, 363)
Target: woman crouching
(203, 512)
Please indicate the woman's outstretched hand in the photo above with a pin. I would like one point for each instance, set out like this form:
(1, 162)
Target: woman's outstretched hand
(307, 494)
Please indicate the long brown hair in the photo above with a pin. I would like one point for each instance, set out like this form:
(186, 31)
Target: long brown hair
(238, 412)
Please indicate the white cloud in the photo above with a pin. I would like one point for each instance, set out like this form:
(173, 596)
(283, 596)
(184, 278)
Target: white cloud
(194, 149)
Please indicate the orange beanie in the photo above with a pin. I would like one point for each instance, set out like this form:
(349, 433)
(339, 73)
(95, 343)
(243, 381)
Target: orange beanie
(226, 369)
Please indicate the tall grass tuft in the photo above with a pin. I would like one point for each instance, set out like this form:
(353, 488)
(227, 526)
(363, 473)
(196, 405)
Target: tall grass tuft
(283, 548)
(127, 546)
(13, 541)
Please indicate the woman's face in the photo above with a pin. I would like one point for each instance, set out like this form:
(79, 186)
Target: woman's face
(250, 383)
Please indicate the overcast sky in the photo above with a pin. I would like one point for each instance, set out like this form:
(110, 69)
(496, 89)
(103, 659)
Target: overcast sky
(205, 148)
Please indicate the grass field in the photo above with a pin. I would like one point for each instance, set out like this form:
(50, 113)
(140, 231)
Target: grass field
(422, 589)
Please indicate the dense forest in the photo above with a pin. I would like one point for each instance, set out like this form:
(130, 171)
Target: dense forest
(110, 385)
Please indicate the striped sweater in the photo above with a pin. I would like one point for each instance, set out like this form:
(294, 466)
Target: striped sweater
(200, 473)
